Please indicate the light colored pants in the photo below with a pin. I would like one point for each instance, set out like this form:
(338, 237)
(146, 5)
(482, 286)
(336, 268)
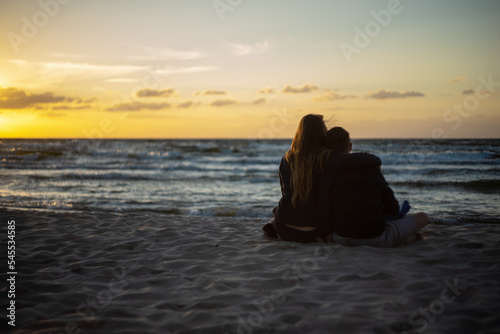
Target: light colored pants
(395, 233)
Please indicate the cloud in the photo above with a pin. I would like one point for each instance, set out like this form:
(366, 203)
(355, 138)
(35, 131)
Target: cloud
(13, 98)
(266, 90)
(67, 107)
(137, 106)
(148, 92)
(330, 96)
(468, 91)
(210, 92)
(222, 103)
(386, 94)
(302, 89)
(72, 68)
(185, 105)
(193, 69)
(80, 100)
(155, 53)
(243, 49)
(457, 79)
(53, 72)
(49, 74)
(260, 100)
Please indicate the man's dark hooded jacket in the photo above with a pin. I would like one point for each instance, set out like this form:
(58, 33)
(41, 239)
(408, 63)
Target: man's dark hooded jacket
(356, 200)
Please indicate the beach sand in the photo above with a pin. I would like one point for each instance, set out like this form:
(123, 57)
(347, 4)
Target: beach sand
(150, 273)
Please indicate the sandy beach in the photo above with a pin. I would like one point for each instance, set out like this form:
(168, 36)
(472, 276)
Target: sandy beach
(152, 273)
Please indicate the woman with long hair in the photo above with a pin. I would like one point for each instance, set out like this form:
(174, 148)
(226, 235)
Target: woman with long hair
(298, 215)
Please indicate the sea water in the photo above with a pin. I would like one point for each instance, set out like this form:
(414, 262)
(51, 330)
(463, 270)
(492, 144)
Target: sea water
(454, 181)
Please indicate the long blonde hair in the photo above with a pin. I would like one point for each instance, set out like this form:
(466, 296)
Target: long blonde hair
(305, 156)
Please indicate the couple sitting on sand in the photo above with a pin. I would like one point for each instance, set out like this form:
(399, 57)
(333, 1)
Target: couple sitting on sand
(329, 193)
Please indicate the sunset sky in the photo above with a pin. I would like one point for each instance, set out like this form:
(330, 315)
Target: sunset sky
(248, 68)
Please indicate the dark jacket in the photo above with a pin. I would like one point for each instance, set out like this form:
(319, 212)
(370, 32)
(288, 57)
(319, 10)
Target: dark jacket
(310, 215)
(357, 200)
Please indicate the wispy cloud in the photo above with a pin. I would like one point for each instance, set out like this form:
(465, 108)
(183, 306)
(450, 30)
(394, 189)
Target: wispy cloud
(49, 73)
(78, 67)
(210, 92)
(137, 106)
(53, 72)
(145, 52)
(457, 79)
(193, 69)
(259, 100)
(330, 96)
(222, 103)
(14, 98)
(306, 88)
(384, 94)
(148, 92)
(185, 105)
(243, 49)
(266, 90)
(68, 107)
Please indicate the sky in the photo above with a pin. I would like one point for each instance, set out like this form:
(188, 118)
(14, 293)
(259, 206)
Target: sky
(249, 68)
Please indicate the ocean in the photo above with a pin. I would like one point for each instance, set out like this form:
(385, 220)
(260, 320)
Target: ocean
(454, 181)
